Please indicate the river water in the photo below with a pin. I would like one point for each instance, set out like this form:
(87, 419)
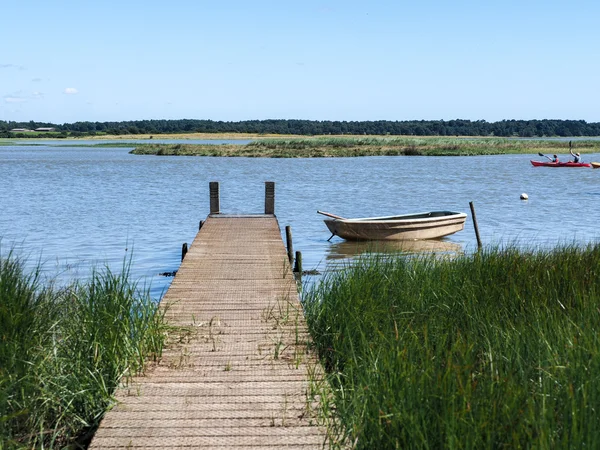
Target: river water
(72, 208)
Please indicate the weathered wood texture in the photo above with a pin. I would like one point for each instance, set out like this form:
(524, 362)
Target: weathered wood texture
(269, 197)
(239, 377)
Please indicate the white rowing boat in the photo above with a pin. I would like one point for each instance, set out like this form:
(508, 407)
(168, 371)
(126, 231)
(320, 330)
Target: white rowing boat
(426, 225)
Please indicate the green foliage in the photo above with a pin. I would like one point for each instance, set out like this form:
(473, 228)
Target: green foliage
(495, 350)
(62, 353)
(504, 128)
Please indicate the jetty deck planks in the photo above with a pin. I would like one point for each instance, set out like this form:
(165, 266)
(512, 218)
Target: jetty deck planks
(238, 376)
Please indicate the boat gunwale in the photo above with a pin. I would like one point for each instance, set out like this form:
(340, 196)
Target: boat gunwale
(406, 218)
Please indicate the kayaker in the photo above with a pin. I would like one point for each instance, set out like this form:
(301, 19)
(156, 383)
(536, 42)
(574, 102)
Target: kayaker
(576, 156)
(555, 158)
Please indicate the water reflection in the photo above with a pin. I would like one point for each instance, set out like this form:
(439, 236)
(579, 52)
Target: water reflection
(351, 249)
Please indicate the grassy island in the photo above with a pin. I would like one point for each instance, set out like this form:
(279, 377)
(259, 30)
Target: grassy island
(64, 351)
(287, 146)
(303, 147)
(496, 350)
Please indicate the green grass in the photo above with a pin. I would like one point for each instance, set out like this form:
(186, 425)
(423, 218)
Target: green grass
(495, 350)
(367, 146)
(319, 147)
(63, 352)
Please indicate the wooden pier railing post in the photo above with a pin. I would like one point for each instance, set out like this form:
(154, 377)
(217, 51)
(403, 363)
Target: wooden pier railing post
(298, 267)
(215, 205)
(269, 197)
(289, 243)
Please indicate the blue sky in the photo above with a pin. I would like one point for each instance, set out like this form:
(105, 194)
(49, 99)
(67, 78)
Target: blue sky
(67, 61)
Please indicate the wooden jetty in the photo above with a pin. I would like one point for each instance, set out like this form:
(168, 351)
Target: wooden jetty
(240, 374)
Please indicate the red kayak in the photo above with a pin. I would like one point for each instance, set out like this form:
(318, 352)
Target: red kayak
(559, 164)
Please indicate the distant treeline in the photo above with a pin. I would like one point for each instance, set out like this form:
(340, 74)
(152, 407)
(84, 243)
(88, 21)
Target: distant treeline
(504, 128)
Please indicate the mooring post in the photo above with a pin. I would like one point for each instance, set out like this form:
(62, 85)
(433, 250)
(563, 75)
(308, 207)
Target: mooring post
(298, 266)
(215, 206)
(289, 244)
(200, 225)
(475, 225)
(184, 250)
(269, 197)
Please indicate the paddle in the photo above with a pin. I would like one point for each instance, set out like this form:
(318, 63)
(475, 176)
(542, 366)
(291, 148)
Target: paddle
(331, 215)
(545, 156)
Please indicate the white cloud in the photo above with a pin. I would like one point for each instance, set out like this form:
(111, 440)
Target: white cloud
(11, 66)
(71, 91)
(14, 99)
(37, 94)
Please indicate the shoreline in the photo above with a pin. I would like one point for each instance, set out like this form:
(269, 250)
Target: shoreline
(294, 146)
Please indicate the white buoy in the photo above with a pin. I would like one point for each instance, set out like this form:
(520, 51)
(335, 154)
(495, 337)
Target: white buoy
(524, 196)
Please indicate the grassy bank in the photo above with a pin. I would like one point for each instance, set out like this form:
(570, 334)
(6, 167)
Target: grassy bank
(62, 353)
(496, 350)
(368, 146)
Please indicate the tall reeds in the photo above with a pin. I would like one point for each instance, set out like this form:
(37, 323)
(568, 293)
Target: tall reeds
(64, 351)
(496, 350)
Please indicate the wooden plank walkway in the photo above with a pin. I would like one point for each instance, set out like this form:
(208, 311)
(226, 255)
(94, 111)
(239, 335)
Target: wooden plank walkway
(240, 378)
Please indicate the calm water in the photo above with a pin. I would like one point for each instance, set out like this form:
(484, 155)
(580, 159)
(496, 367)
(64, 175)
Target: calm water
(72, 208)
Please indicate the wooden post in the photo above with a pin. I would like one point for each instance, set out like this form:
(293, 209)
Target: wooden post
(200, 225)
(289, 244)
(475, 225)
(298, 267)
(215, 205)
(184, 250)
(269, 197)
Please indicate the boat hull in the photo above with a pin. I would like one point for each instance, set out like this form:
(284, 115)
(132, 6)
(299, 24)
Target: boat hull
(430, 225)
(559, 164)
(595, 165)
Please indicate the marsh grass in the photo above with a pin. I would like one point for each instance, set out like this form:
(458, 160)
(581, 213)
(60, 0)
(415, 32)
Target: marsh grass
(63, 352)
(367, 146)
(495, 350)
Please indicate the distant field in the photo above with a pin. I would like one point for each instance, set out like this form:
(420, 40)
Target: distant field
(207, 136)
(113, 137)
